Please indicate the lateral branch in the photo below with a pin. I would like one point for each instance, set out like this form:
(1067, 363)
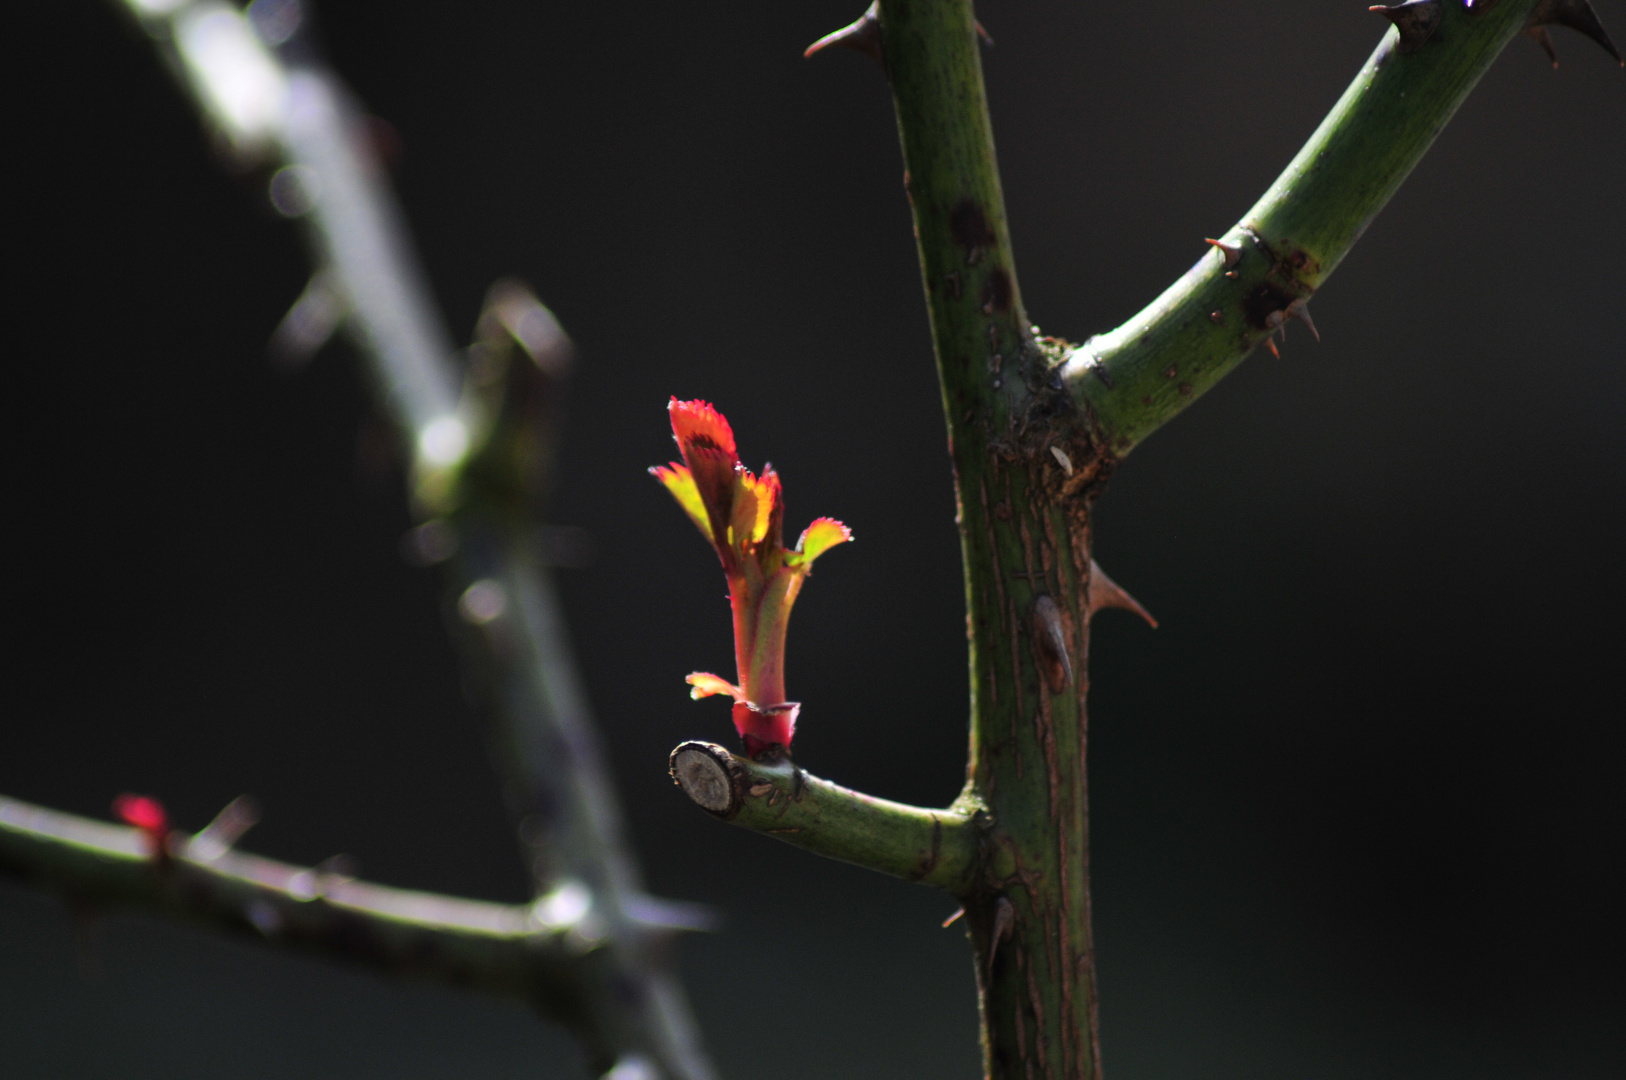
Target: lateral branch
(526, 951)
(1257, 278)
(782, 800)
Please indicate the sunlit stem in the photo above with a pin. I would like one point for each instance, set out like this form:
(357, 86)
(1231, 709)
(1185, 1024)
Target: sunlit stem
(761, 621)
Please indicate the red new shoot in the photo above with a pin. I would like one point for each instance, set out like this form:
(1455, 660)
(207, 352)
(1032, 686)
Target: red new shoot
(742, 515)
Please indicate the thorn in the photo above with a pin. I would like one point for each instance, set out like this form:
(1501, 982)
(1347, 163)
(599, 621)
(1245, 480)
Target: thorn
(1229, 252)
(1415, 19)
(228, 827)
(1063, 460)
(983, 34)
(1004, 920)
(512, 312)
(1300, 310)
(338, 866)
(863, 36)
(1579, 16)
(1274, 351)
(633, 1067)
(1541, 37)
(1105, 593)
(1050, 643)
(310, 322)
(1277, 321)
(952, 919)
(673, 916)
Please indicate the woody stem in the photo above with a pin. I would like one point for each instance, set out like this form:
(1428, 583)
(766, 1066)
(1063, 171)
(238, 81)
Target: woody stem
(1024, 536)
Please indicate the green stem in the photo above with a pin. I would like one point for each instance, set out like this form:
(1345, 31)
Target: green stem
(1023, 477)
(1135, 378)
(933, 847)
(1033, 434)
(979, 329)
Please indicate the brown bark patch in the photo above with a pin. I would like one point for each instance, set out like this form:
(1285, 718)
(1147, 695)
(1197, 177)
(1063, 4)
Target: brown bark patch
(969, 226)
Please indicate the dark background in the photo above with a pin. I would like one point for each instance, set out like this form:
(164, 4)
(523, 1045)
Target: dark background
(1357, 803)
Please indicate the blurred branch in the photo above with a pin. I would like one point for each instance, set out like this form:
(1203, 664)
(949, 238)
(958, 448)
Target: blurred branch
(934, 847)
(528, 951)
(480, 444)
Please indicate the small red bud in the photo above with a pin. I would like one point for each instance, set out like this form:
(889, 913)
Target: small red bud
(146, 814)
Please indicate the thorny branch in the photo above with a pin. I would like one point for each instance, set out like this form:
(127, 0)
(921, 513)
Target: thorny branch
(1129, 381)
(479, 445)
(1260, 275)
(1035, 429)
(528, 951)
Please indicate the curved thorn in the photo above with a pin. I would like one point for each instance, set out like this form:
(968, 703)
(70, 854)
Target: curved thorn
(1541, 37)
(1050, 644)
(1415, 19)
(1106, 593)
(1004, 922)
(1229, 252)
(228, 827)
(863, 36)
(1579, 16)
(1300, 310)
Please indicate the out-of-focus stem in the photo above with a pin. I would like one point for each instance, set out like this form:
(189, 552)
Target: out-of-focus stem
(530, 951)
(275, 101)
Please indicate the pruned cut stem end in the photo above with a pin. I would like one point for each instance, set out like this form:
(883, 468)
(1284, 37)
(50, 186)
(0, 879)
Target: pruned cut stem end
(704, 772)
